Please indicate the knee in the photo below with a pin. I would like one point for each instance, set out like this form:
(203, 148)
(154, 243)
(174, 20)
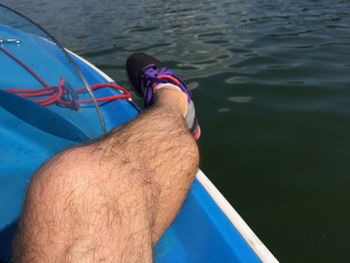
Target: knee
(64, 173)
(79, 171)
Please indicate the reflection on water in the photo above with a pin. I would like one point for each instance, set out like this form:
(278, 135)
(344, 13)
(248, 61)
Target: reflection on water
(271, 85)
(241, 99)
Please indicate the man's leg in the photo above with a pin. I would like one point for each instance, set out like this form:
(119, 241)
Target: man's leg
(111, 200)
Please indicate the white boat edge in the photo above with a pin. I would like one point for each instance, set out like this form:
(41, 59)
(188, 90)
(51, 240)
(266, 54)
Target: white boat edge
(237, 221)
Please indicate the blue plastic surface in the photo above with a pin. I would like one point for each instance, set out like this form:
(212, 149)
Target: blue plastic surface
(200, 233)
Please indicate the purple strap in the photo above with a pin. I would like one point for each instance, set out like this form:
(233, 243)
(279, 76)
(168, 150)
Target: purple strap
(150, 75)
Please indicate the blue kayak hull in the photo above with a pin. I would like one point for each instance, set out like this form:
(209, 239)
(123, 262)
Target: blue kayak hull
(201, 232)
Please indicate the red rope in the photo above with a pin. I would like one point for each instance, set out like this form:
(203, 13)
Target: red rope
(126, 94)
(26, 67)
(56, 92)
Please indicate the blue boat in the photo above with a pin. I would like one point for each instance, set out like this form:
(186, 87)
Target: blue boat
(207, 229)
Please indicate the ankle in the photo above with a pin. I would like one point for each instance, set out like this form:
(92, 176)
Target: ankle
(173, 98)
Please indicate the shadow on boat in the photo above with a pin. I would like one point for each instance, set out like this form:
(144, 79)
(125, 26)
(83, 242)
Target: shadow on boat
(6, 237)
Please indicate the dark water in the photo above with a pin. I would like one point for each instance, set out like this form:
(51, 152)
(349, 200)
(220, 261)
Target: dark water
(271, 82)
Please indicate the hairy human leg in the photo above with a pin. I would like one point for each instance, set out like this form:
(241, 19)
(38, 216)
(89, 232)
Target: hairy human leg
(110, 200)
